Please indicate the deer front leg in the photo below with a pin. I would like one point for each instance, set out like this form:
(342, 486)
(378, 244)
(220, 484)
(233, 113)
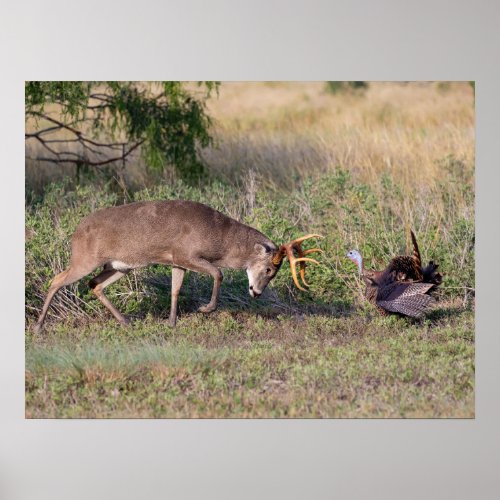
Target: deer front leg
(177, 278)
(212, 305)
(216, 274)
(203, 266)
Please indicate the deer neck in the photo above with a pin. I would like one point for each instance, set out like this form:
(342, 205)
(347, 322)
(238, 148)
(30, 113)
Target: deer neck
(241, 254)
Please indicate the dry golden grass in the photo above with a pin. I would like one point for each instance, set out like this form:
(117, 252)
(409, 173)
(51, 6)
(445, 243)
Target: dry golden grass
(282, 130)
(287, 131)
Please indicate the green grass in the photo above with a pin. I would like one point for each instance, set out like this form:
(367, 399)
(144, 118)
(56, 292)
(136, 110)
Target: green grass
(324, 353)
(240, 364)
(348, 213)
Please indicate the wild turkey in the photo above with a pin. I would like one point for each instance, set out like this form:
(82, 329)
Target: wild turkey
(403, 287)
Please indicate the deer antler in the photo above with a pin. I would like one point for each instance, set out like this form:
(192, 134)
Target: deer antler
(287, 250)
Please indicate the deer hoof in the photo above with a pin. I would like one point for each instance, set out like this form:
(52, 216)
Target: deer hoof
(207, 309)
(124, 322)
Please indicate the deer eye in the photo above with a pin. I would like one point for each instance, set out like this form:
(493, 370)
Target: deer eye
(268, 270)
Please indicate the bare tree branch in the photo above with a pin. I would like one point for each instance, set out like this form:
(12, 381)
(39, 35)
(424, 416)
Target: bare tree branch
(41, 132)
(56, 122)
(93, 146)
(81, 159)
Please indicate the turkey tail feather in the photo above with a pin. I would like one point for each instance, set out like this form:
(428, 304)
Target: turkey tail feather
(413, 305)
(400, 289)
(416, 251)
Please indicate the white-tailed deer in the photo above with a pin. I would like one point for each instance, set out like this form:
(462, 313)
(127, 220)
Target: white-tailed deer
(183, 234)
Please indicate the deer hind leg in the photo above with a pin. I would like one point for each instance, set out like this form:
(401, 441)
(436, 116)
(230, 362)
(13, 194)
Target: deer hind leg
(65, 278)
(100, 282)
(177, 278)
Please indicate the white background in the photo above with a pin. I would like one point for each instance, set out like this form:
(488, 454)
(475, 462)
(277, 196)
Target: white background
(249, 40)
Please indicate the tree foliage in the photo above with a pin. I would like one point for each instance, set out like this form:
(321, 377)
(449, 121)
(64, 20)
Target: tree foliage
(99, 123)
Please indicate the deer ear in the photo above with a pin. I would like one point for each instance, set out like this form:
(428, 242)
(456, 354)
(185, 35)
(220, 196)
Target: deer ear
(262, 248)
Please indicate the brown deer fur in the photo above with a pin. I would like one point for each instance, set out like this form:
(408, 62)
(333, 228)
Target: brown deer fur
(183, 234)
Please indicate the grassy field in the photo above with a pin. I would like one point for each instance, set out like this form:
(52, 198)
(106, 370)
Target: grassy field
(358, 167)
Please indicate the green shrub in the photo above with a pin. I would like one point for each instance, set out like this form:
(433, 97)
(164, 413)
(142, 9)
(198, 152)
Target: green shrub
(350, 214)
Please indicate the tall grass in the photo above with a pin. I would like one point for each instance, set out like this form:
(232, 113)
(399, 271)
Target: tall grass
(292, 158)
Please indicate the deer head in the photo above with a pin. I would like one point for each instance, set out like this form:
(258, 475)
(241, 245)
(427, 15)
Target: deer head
(268, 260)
